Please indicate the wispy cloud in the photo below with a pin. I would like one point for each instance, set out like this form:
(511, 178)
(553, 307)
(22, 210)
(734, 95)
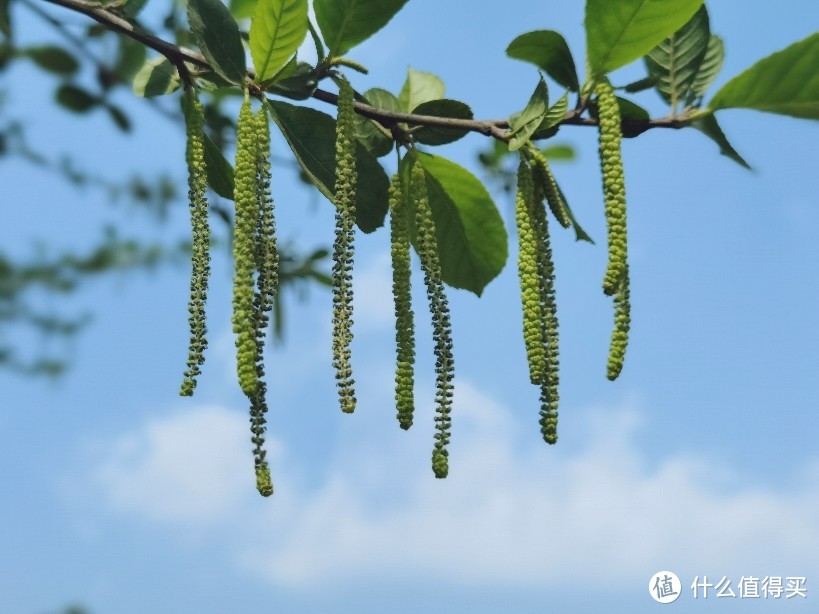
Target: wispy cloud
(512, 513)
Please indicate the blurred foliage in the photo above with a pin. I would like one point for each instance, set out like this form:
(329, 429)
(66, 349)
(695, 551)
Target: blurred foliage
(87, 65)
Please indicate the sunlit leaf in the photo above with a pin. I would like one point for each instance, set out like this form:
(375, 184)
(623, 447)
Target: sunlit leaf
(620, 32)
(785, 82)
(346, 23)
(278, 29)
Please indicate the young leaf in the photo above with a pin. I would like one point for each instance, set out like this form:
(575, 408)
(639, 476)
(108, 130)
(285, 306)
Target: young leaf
(709, 127)
(676, 61)
(53, 59)
(420, 87)
(346, 23)
(709, 68)
(472, 241)
(156, 78)
(311, 135)
(369, 132)
(618, 33)
(278, 29)
(556, 113)
(524, 125)
(220, 171)
(785, 82)
(441, 108)
(548, 51)
(218, 37)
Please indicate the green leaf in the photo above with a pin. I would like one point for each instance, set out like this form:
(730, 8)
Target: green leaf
(76, 99)
(676, 61)
(629, 112)
(441, 108)
(220, 172)
(156, 78)
(639, 86)
(472, 241)
(709, 68)
(119, 117)
(311, 136)
(548, 51)
(524, 125)
(298, 85)
(370, 132)
(786, 82)
(242, 9)
(561, 153)
(53, 59)
(555, 114)
(278, 29)
(132, 56)
(347, 23)
(620, 32)
(709, 127)
(5, 20)
(420, 87)
(218, 37)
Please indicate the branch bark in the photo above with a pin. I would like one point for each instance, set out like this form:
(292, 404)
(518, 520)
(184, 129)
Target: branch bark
(497, 128)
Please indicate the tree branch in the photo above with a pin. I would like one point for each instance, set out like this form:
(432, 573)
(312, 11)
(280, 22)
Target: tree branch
(497, 128)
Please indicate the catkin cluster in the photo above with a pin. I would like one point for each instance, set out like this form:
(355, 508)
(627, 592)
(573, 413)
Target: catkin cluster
(536, 274)
(404, 317)
(427, 247)
(343, 246)
(616, 279)
(256, 263)
(200, 248)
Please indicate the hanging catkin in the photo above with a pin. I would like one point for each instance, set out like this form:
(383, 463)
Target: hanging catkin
(546, 186)
(244, 249)
(528, 246)
(267, 263)
(404, 317)
(343, 247)
(427, 247)
(616, 281)
(544, 289)
(622, 323)
(614, 187)
(200, 248)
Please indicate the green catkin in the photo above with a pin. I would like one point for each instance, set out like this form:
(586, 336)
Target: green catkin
(343, 246)
(549, 396)
(404, 317)
(427, 247)
(200, 260)
(546, 186)
(622, 323)
(616, 281)
(244, 249)
(528, 246)
(267, 263)
(614, 187)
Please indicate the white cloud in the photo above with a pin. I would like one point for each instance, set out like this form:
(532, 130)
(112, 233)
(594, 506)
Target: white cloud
(512, 513)
(182, 468)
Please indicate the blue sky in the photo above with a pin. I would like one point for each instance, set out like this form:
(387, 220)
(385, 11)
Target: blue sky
(700, 459)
